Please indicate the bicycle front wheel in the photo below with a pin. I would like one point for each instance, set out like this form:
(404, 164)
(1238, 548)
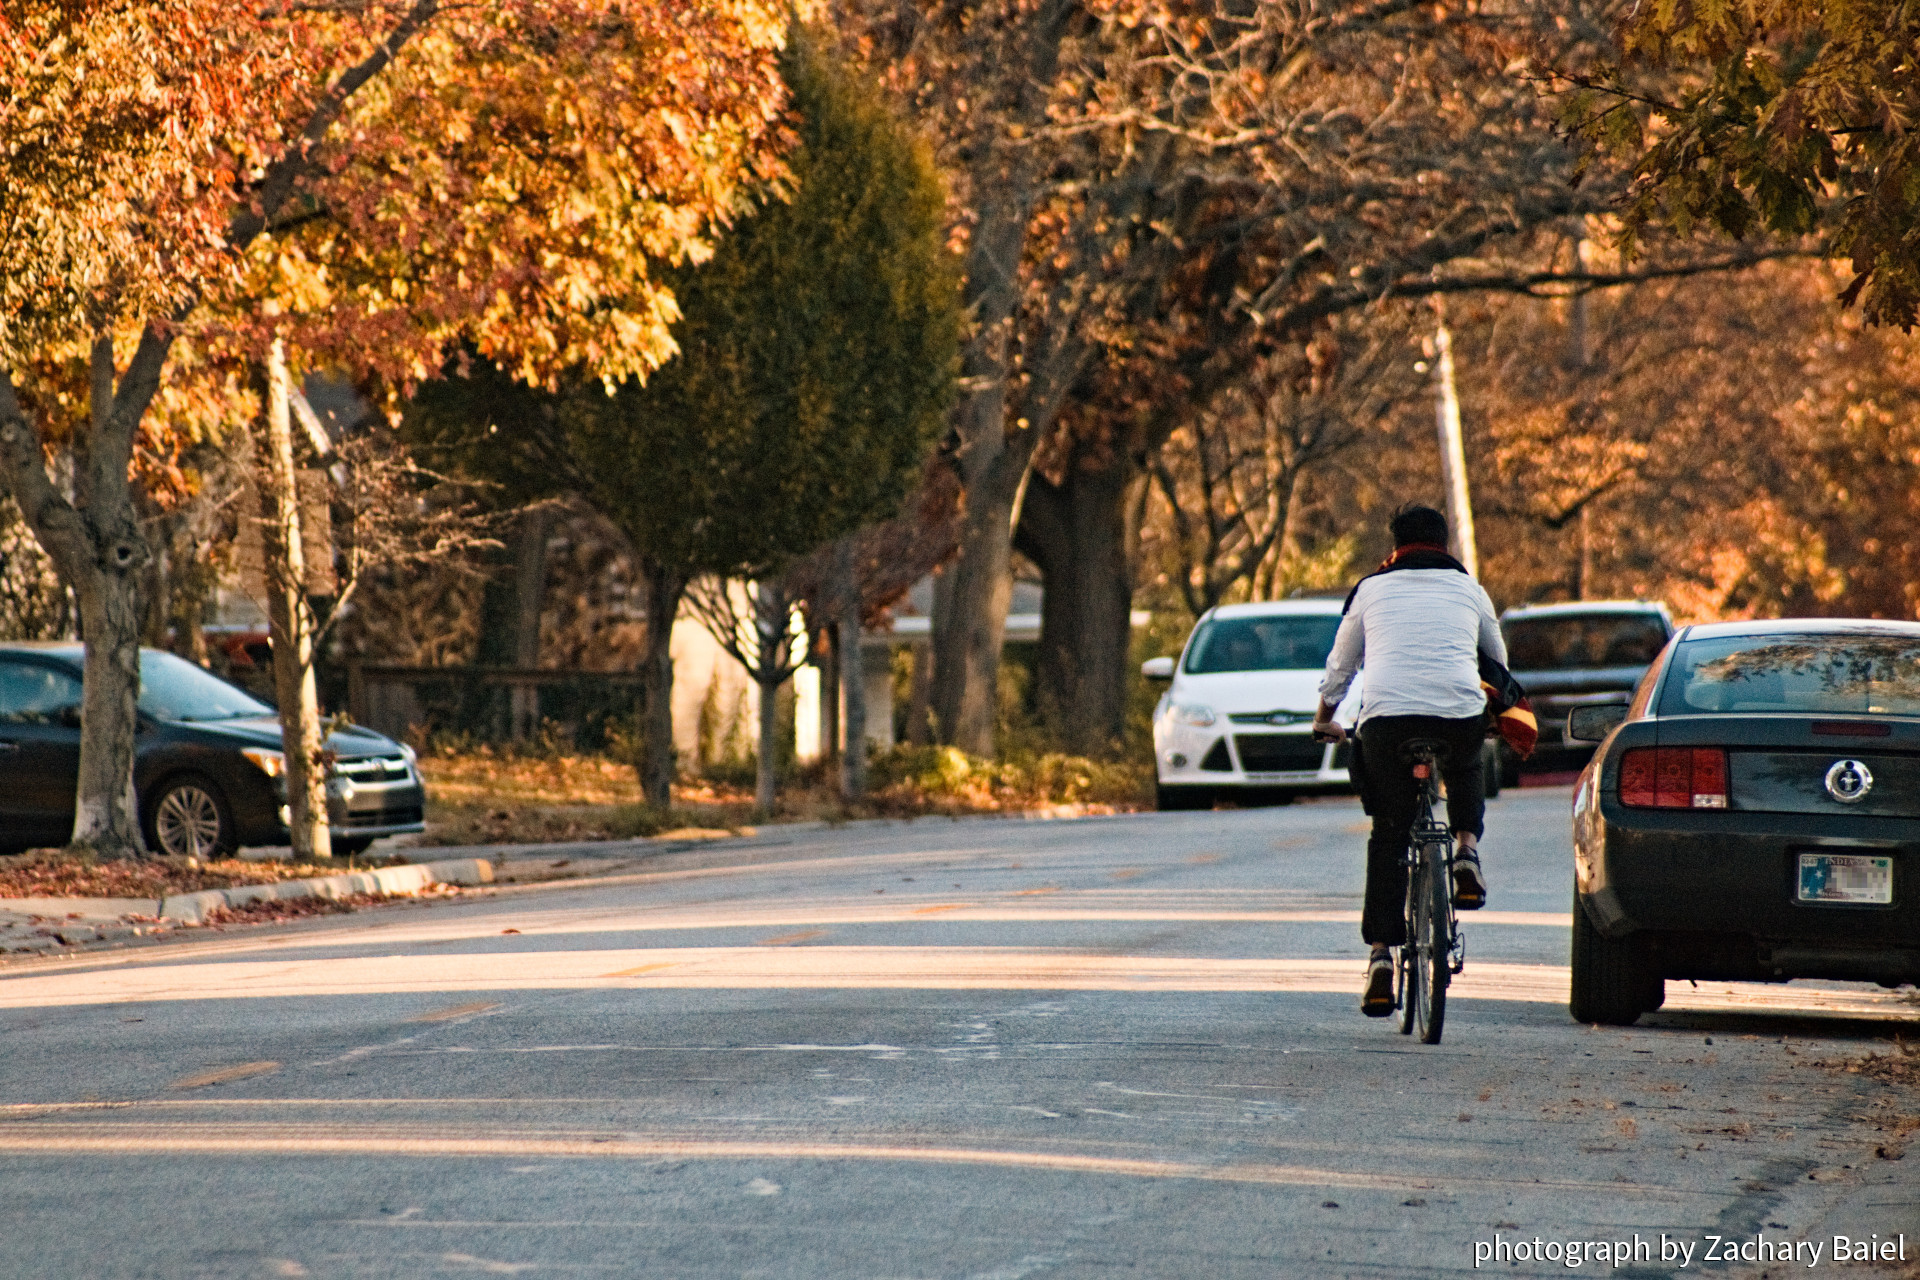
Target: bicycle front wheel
(1431, 943)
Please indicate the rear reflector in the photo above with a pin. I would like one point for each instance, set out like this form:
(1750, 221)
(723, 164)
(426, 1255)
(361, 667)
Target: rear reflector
(1674, 778)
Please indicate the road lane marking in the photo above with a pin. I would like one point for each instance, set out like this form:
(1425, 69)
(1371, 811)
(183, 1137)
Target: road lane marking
(1094, 904)
(937, 909)
(787, 939)
(225, 1075)
(850, 968)
(58, 1138)
(451, 1012)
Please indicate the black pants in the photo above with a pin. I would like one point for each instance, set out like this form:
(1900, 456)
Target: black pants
(1392, 796)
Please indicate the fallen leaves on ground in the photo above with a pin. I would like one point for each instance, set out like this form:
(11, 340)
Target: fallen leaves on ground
(53, 873)
(1899, 1069)
(487, 795)
(274, 910)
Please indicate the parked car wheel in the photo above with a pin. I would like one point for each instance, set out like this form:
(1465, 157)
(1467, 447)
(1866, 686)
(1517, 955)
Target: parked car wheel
(1490, 768)
(190, 818)
(1612, 982)
(351, 847)
(1168, 799)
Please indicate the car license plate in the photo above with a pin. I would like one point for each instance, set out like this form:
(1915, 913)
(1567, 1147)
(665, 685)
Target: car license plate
(1845, 877)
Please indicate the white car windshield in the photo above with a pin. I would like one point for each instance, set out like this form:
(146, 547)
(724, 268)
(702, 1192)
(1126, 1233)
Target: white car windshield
(1278, 642)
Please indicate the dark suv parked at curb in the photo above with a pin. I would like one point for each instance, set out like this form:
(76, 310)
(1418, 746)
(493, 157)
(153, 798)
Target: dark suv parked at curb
(1574, 655)
(208, 769)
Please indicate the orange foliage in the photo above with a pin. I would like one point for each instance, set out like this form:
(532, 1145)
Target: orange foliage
(509, 168)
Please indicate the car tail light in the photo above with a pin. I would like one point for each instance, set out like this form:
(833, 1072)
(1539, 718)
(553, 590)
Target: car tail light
(1674, 778)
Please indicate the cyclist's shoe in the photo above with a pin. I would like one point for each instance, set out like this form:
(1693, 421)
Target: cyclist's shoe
(1469, 885)
(1377, 1000)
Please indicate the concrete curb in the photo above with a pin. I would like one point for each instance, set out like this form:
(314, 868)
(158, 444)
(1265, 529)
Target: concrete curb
(193, 908)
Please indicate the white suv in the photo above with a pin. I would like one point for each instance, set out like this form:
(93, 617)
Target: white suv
(1237, 717)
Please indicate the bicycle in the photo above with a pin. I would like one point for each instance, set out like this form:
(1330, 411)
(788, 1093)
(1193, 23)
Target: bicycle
(1434, 950)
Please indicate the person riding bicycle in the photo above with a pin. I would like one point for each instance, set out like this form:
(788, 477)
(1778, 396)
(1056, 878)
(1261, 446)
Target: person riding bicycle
(1418, 625)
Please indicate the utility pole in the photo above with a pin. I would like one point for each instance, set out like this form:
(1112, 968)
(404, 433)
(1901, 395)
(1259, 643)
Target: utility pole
(1453, 453)
(302, 741)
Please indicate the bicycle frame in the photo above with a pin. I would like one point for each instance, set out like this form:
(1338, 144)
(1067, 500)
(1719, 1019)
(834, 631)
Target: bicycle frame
(1434, 949)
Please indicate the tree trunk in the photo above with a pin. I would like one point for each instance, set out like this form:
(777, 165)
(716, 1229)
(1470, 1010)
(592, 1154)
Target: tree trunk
(96, 545)
(529, 593)
(1077, 533)
(291, 626)
(970, 598)
(766, 765)
(106, 818)
(664, 589)
(919, 688)
(770, 617)
(853, 764)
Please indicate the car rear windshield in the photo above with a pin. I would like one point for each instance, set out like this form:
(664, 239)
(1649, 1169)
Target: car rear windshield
(1281, 642)
(1584, 641)
(1846, 674)
(174, 689)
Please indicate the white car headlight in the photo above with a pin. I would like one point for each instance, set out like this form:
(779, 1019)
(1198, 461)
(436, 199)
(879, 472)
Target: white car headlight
(413, 757)
(1192, 713)
(272, 763)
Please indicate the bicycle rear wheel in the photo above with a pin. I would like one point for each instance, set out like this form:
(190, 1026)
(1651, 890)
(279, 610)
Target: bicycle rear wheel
(1430, 945)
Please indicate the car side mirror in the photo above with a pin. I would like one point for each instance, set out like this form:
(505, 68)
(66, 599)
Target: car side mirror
(1593, 724)
(1157, 668)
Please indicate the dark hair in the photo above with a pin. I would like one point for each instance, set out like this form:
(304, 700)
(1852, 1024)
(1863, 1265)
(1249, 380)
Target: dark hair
(1415, 523)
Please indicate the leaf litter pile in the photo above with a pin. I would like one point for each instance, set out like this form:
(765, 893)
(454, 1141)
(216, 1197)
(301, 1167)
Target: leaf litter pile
(57, 875)
(273, 910)
(1900, 1070)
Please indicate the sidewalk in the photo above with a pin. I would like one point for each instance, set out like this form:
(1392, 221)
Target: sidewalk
(43, 926)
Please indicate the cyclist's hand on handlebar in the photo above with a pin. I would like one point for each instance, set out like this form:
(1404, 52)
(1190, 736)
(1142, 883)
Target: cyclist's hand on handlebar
(1328, 731)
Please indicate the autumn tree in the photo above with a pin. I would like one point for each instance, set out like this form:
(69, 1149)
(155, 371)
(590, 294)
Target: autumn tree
(162, 151)
(1738, 447)
(851, 584)
(1225, 488)
(1754, 116)
(1157, 200)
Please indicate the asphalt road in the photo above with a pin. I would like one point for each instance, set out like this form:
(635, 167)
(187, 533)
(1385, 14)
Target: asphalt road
(987, 1050)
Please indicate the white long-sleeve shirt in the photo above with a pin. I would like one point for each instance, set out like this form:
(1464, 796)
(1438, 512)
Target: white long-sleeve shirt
(1419, 634)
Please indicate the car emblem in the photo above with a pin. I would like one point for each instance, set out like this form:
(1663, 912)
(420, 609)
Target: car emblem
(1849, 781)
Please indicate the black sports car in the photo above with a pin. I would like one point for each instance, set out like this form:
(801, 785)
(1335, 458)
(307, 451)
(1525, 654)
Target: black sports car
(1753, 814)
(208, 770)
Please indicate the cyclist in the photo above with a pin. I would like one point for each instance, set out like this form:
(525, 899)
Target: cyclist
(1418, 624)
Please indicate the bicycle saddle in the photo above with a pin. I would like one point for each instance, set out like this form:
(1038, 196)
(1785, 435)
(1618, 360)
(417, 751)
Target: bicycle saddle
(1416, 749)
